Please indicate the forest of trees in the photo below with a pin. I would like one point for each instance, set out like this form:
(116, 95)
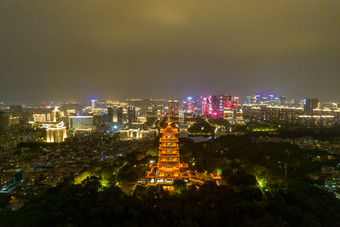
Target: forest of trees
(201, 126)
(87, 205)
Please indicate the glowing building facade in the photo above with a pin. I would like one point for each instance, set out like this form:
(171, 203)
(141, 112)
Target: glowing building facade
(291, 115)
(310, 105)
(190, 105)
(115, 114)
(93, 103)
(204, 105)
(42, 117)
(56, 133)
(132, 114)
(170, 107)
(137, 133)
(168, 167)
(83, 123)
(215, 105)
(173, 107)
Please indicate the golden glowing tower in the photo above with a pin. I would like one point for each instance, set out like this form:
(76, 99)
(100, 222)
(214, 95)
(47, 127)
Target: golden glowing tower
(168, 167)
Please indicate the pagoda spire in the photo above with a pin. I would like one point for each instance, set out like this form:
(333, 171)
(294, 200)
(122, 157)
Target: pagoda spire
(168, 168)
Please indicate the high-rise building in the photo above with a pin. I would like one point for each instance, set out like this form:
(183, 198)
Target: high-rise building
(110, 114)
(329, 105)
(148, 106)
(272, 100)
(236, 100)
(55, 114)
(168, 167)
(197, 107)
(114, 114)
(209, 105)
(228, 113)
(214, 105)
(170, 106)
(83, 123)
(13, 120)
(282, 100)
(56, 133)
(257, 99)
(205, 107)
(41, 117)
(120, 115)
(16, 110)
(230, 102)
(93, 103)
(190, 105)
(173, 107)
(222, 102)
(263, 100)
(98, 122)
(3, 121)
(175, 111)
(132, 114)
(310, 105)
(248, 100)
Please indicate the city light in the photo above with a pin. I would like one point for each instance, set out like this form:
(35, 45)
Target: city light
(169, 113)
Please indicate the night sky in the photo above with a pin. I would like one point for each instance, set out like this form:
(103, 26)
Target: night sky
(76, 50)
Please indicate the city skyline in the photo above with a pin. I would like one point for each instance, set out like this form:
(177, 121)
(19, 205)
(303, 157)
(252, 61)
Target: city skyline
(60, 50)
(183, 99)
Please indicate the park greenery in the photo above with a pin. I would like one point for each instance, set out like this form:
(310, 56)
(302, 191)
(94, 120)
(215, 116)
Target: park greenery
(201, 126)
(84, 204)
(257, 190)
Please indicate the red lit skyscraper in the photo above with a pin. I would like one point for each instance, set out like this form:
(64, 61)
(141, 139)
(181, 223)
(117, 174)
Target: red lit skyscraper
(175, 111)
(173, 107)
(190, 105)
(215, 105)
(170, 106)
(213, 108)
(205, 108)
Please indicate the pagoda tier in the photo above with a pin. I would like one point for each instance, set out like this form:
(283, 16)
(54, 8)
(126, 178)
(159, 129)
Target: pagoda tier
(169, 166)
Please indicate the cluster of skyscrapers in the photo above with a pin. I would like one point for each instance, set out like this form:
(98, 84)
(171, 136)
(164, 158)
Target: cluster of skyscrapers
(212, 105)
(309, 111)
(129, 117)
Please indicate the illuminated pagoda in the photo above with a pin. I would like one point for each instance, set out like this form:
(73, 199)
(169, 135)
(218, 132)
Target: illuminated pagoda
(168, 167)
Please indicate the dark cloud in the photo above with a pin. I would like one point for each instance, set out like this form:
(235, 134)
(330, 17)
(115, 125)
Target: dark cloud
(73, 50)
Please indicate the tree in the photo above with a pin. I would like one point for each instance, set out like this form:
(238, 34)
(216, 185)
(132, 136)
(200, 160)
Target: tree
(140, 192)
(4, 199)
(201, 127)
(241, 178)
(180, 185)
(18, 176)
(152, 151)
(226, 172)
(152, 193)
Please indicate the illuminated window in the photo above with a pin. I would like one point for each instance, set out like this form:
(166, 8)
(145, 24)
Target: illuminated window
(169, 136)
